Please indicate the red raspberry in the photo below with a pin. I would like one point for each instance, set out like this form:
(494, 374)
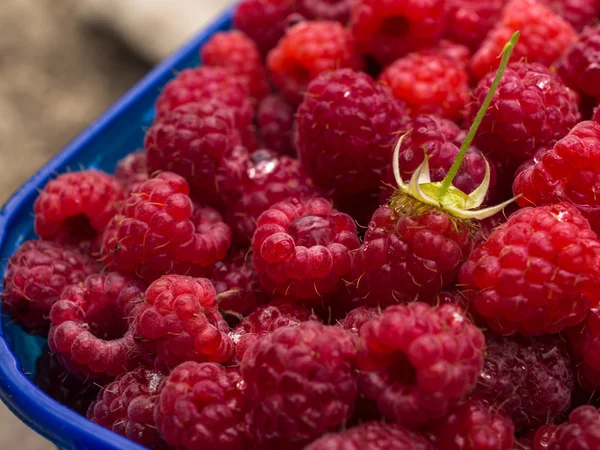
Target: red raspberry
(418, 362)
(584, 341)
(301, 384)
(473, 426)
(36, 275)
(201, 406)
(469, 21)
(90, 332)
(308, 49)
(389, 29)
(372, 436)
(346, 129)
(580, 432)
(338, 10)
(302, 249)
(579, 13)
(358, 317)
(126, 406)
(76, 206)
(532, 109)
(429, 83)
(237, 53)
(275, 119)
(156, 231)
(544, 37)
(537, 273)
(132, 171)
(180, 321)
(404, 257)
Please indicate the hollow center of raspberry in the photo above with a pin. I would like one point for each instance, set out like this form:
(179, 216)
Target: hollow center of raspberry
(308, 231)
(79, 227)
(105, 322)
(396, 26)
(402, 371)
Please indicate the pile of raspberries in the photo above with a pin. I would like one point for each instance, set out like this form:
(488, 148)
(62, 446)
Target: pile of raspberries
(244, 282)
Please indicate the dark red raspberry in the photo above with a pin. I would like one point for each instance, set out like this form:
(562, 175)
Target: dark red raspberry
(201, 406)
(372, 436)
(156, 231)
(584, 341)
(301, 383)
(76, 206)
(469, 21)
(36, 275)
(132, 171)
(302, 249)
(580, 432)
(429, 83)
(180, 321)
(532, 109)
(404, 257)
(537, 273)
(579, 13)
(269, 178)
(473, 426)
(89, 331)
(347, 126)
(308, 49)
(544, 37)
(358, 317)
(126, 406)
(237, 53)
(419, 361)
(275, 119)
(338, 10)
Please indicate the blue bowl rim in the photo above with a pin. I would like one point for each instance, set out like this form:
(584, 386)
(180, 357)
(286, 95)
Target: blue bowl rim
(48, 417)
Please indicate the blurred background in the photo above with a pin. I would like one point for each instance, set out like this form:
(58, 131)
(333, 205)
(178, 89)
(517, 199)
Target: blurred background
(62, 63)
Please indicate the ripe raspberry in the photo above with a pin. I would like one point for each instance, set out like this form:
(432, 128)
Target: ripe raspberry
(302, 249)
(132, 171)
(301, 383)
(580, 432)
(89, 332)
(156, 231)
(36, 275)
(529, 380)
(584, 341)
(372, 436)
(180, 321)
(537, 273)
(544, 37)
(275, 119)
(76, 206)
(579, 13)
(237, 53)
(358, 317)
(347, 126)
(201, 406)
(473, 426)
(338, 10)
(532, 109)
(429, 83)
(126, 406)
(469, 21)
(308, 49)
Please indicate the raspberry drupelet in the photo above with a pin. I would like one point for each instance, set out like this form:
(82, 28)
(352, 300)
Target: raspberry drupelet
(469, 21)
(306, 50)
(157, 231)
(580, 432)
(179, 321)
(302, 249)
(126, 406)
(275, 119)
(36, 275)
(132, 171)
(201, 406)
(356, 318)
(301, 383)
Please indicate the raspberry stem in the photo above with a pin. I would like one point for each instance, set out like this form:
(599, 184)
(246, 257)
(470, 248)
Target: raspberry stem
(506, 52)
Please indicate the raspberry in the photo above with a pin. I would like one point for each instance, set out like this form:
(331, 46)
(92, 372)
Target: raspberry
(126, 406)
(579, 13)
(470, 21)
(132, 171)
(346, 130)
(584, 341)
(537, 273)
(532, 109)
(36, 275)
(404, 257)
(544, 37)
(89, 331)
(457, 53)
(472, 426)
(275, 119)
(179, 321)
(418, 362)
(389, 29)
(202, 406)
(530, 380)
(308, 49)
(429, 83)
(269, 178)
(372, 436)
(358, 317)
(76, 206)
(580, 432)
(156, 231)
(237, 53)
(300, 381)
(338, 10)
(302, 249)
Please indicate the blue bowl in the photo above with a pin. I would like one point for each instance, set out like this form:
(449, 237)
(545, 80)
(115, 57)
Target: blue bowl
(115, 134)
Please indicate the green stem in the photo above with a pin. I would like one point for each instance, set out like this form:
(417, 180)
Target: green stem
(506, 52)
